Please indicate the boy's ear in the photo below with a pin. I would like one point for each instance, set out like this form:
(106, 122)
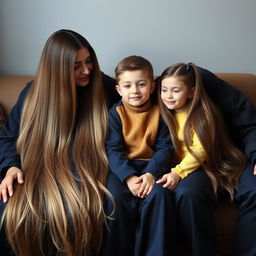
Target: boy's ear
(153, 86)
(118, 90)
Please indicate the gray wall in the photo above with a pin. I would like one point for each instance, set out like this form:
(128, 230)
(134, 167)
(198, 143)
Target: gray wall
(218, 35)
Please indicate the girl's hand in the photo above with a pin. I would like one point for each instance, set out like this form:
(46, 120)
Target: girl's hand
(254, 170)
(6, 186)
(147, 182)
(171, 180)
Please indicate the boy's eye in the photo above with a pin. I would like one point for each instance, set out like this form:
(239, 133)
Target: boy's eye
(76, 67)
(141, 84)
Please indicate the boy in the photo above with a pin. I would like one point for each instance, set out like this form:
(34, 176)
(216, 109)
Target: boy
(139, 151)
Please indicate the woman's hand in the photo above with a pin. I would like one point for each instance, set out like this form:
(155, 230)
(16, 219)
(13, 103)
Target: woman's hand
(6, 186)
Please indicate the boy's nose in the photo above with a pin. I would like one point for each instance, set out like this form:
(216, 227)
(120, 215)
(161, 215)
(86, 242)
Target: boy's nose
(134, 89)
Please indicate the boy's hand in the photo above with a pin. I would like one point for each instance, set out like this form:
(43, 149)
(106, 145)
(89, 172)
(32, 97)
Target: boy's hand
(133, 184)
(6, 187)
(147, 182)
(171, 180)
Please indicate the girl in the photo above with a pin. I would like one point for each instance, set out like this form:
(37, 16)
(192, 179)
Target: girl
(60, 124)
(197, 130)
(204, 155)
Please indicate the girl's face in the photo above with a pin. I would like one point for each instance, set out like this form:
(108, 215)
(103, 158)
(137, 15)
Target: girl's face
(175, 94)
(83, 67)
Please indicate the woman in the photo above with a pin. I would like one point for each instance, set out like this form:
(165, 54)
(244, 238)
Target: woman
(60, 126)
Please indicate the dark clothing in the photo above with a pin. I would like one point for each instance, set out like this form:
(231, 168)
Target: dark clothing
(195, 203)
(245, 199)
(9, 135)
(142, 226)
(238, 112)
(138, 226)
(112, 95)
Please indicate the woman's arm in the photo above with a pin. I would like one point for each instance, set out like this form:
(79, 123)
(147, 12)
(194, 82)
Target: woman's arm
(10, 165)
(237, 110)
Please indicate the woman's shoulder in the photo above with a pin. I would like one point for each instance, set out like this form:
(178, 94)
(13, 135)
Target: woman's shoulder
(112, 95)
(25, 90)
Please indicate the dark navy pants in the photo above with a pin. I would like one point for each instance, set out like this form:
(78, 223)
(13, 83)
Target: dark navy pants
(246, 225)
(139, 227)
(195, 205)
(4, 247)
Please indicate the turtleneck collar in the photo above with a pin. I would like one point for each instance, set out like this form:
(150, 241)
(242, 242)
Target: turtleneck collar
(144, 108)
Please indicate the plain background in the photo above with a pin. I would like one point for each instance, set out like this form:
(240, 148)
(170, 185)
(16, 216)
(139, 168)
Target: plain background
(219, 35)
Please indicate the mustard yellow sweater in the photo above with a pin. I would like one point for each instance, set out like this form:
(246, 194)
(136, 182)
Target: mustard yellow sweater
(139, 128)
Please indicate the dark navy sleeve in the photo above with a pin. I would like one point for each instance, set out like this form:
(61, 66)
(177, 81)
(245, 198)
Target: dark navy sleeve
(112, 95)
(238, 112)
(161, 160)
(9, 134)
(118, 162)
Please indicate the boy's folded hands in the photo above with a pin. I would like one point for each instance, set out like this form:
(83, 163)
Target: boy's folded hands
(141, 186)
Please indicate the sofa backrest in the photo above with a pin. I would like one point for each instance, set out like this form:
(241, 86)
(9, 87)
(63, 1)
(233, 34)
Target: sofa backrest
(11, 86)
(244, 82)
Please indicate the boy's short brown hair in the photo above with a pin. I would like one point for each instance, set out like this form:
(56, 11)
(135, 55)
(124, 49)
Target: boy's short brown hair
(132, 63)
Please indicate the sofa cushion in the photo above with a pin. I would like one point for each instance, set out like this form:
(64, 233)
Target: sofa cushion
(3, 117)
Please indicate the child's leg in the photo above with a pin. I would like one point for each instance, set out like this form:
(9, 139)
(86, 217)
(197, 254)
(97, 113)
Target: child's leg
(195, 204)
(246, 226)
(154, 236)
(119, 235)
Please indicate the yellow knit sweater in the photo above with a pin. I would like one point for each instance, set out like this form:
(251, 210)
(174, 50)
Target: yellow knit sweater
(188, 163)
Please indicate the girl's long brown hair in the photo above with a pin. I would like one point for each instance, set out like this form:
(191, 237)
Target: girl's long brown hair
(224, 162)
(59, 208)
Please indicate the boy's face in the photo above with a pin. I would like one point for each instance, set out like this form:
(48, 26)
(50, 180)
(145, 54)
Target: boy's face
(135, 87)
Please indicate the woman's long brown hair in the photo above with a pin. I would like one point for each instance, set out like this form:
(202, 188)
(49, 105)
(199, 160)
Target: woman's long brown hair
(224, 162)
(59, 208)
